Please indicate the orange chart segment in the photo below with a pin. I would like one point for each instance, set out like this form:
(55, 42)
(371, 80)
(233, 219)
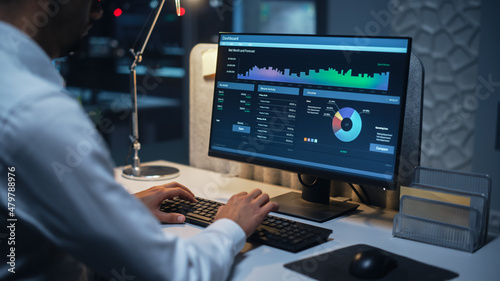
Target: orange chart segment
(346, 124)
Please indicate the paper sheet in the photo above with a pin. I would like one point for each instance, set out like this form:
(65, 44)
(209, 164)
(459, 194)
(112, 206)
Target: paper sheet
(435, 195)
(208, 61)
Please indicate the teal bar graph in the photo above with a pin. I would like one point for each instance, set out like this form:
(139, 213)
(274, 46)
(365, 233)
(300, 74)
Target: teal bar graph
(326, 77)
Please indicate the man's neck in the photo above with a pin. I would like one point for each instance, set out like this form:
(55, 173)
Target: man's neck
(25, 16)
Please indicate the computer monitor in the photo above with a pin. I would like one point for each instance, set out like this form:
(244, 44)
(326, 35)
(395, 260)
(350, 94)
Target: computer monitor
(328, 106)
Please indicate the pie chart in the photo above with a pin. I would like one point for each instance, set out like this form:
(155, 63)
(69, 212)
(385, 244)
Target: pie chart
(346, 124)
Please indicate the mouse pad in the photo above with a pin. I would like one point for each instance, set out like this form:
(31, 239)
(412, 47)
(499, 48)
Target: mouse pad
(335, 266)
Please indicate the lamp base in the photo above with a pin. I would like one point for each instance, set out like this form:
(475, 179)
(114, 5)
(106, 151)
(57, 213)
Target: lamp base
(151, 173)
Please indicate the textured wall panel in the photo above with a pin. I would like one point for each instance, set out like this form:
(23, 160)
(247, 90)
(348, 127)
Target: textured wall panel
(446, 38)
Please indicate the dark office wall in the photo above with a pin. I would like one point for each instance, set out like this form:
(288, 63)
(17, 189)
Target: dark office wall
(446, 37)
(487, 125)
(357, 17)
(458, 43)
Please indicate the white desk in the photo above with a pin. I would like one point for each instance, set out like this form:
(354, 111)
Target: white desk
(372, 226)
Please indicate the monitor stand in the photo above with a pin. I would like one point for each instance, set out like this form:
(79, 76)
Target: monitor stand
(313, 203)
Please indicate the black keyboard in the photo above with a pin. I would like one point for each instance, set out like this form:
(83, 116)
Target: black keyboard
(274, 231)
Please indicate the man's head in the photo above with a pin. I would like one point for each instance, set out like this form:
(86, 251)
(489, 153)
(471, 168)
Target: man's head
(56, 25)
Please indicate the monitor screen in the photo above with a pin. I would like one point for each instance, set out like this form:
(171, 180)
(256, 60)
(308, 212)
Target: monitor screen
(329, 106)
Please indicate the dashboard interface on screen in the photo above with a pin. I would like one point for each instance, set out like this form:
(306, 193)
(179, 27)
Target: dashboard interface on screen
(323, 105)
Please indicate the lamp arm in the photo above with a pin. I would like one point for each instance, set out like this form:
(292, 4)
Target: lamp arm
(136, 169)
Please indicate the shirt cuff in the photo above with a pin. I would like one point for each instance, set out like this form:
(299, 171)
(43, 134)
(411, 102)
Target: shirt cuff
(233, 230)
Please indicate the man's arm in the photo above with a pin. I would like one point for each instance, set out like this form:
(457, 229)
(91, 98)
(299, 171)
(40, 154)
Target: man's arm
(70, 198)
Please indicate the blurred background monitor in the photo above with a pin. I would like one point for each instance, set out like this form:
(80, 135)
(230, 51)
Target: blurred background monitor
(280, 16)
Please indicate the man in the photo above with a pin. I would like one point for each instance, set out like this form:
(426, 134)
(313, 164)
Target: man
(66, 216)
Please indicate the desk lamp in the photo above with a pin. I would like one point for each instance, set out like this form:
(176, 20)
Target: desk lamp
(136, 171)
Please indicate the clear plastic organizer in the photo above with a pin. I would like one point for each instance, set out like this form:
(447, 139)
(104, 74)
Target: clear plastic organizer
(458, 226)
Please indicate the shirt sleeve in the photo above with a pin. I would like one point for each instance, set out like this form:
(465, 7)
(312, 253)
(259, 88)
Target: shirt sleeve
(67, 194)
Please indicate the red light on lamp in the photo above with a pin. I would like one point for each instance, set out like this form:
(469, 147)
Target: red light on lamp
(117, 12)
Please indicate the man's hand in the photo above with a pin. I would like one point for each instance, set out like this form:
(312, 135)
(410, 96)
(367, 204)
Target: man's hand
(248, 210)
(154, 196)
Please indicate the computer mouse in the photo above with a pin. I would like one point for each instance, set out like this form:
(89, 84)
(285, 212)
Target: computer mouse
(371, 264)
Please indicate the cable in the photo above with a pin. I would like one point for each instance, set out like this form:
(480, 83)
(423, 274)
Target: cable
(142, 29)
(357, 193)
(369, 201)
(305, 184)
(131, 139)
(128, 155)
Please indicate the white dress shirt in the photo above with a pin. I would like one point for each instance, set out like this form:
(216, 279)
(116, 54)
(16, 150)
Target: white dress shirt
(71, 214)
